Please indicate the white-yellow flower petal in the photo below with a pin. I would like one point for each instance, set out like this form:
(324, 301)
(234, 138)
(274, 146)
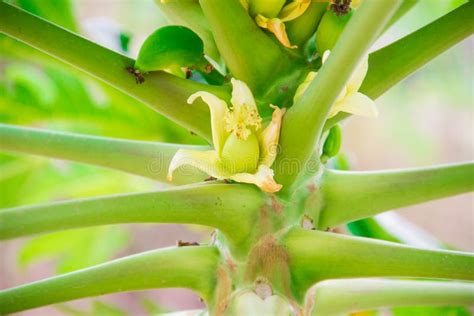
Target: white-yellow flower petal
(218, 109)
(307, 81)
(206, 161)
(358, 76)
(326, 56)
(293, 10)
(241, 94)
(269, 138)
(355, 103)
(263, 178)
(277, 27)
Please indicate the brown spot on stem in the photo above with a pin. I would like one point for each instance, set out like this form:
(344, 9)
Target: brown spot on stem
(277, 206)
(270, 260)
(208, 68)
(312, 187)
(139, 79)
(223, 291)
(181, 243)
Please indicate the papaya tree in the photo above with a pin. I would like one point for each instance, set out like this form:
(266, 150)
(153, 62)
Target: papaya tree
(266, 85)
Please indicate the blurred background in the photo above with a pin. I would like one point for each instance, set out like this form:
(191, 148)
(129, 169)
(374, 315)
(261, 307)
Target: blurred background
(426, 120)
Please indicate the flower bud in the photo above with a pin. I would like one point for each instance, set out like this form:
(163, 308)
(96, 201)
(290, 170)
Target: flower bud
(332, 144)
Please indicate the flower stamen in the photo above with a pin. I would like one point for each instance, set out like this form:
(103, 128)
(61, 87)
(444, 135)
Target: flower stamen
(240, 119)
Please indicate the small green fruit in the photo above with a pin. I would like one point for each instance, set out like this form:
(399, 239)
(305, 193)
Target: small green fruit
(241, 155)
(267, 8)
(329, 30)
(170, 47)
(332, 144)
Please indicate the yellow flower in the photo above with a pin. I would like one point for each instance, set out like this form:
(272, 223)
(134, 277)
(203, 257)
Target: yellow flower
(276, 25)
(243, 151)
(349, 100)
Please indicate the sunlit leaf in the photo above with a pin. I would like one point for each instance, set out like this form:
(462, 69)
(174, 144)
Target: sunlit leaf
(170, 47)
(74, 249)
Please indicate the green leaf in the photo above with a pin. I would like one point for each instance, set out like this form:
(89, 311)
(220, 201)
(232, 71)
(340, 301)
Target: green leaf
(58, 11)
(30, 85)
(169, 47)
(74, 249)
(151, 307)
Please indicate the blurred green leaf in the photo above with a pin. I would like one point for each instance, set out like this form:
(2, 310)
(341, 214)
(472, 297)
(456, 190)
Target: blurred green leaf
(98, 308)
(58, 11)
(151, 307)
(29, 85)
(74, 249)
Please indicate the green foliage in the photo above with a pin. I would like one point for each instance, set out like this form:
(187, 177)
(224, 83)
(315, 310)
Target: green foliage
(170, 47)
(57, 11)
(75, 249)
(259, 239)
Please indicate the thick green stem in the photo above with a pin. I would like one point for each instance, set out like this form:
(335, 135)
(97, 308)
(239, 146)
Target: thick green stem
(163, 92)
(315, 256)
(341, 297)
(349, 196)
(188, 267)
(303, 123)
(248, 52)
(412, 52)
(148, 159)
(231, 208)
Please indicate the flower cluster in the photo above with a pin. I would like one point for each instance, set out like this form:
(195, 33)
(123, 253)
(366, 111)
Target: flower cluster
(243, 150)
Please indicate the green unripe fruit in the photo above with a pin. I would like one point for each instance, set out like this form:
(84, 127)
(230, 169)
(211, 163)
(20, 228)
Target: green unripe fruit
(267, 8)
(329, 30)
(239, 155)
(332, 144)
(301, 29)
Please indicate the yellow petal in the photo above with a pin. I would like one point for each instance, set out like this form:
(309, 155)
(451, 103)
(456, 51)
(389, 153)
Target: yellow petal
(206, 161)
(269, 138)
(356, 79)
(241, 94)
(293, 10)
(355, 103)
(218, 110)
(358, 76)
(263, 178)
(277, 27)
